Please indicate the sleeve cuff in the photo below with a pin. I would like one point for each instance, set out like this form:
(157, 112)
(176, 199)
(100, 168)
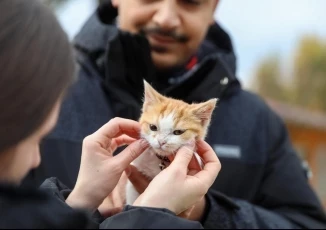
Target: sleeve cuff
(130, 207)
(217, 211)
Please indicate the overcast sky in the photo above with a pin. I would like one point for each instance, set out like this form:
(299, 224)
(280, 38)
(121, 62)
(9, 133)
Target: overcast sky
(257, 27)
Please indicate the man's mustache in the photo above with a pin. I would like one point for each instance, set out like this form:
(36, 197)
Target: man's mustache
(158, 31)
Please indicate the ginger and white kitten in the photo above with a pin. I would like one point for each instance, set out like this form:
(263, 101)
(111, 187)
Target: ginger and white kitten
(167, 124)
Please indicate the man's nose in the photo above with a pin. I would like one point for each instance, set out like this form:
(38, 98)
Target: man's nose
(167, 16)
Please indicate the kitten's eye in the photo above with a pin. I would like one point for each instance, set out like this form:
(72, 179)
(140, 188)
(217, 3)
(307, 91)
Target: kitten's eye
(153, 127)
(178, 132)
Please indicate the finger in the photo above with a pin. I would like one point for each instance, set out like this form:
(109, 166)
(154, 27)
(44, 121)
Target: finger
(139, 180)
(129, 154)
(192, 172)
(120, 141)
(205, 151)
(183, 158)
(123, 140)
(212, 164)
(194, 163)
(118, 193)
(110, 212)
(186, 214)
(116, 127)
(194, 166)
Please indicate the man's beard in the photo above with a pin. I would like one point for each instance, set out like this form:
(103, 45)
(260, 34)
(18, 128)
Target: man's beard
(181, 38)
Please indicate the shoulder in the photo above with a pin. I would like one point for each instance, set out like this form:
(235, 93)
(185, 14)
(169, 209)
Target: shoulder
(245, 119)
(250, 100)
(245, 104)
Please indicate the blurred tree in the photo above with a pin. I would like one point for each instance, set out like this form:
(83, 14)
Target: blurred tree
(307, 85)
(268, 78)
(309, 73)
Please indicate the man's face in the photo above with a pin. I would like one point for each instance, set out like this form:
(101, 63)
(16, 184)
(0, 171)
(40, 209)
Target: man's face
(175, 28)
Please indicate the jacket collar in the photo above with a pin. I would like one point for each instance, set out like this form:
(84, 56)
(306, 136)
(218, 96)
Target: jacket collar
(93, 37)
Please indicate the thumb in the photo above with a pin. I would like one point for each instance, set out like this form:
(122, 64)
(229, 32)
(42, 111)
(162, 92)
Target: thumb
(183, 157)
(130, 153)
(110, 212)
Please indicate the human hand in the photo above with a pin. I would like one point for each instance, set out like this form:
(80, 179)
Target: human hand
(141, 182)
(180, 188)
(115, 201)
(99, 170)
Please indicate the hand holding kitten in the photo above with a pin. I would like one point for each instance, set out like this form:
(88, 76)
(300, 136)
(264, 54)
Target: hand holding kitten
(181, 186)
(100, 171)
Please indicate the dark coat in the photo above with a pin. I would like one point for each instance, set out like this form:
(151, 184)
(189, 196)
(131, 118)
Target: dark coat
(262, 183)
(45, 208)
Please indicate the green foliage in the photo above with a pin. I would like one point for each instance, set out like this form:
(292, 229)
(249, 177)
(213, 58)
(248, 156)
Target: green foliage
(268, 80)
(307, 85)
(309, 73)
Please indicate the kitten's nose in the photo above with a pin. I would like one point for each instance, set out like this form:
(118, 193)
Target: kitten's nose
(163, 142)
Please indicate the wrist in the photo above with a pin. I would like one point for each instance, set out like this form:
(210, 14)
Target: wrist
(133, 207)
(199, 210)
(78, 201)
(144, 204)
(207, 209)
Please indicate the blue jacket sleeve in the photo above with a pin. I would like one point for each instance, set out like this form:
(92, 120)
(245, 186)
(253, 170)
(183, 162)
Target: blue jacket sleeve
(130, 218)
(148, 218)
(284, 199)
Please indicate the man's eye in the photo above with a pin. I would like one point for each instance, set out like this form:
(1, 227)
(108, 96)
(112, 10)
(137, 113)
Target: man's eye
(153, 127)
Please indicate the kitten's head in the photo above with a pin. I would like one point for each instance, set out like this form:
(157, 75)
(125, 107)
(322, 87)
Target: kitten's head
(167, 124)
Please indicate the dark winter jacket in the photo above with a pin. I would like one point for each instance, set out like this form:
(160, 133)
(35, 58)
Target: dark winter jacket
(262, 183)
(30, 208)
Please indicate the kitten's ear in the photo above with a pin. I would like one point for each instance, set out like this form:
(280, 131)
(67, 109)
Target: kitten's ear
(204, 111)
(151, 96)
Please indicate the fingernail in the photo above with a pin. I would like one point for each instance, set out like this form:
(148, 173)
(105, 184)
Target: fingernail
(143, 143)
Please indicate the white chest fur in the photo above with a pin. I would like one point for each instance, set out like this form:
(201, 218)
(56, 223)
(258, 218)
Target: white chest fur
(148, 164)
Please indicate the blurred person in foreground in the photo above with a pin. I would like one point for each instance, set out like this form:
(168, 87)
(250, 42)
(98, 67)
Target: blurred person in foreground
(178, 47)
(36, 68)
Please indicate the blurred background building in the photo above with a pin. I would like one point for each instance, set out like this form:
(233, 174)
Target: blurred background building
(281, 55)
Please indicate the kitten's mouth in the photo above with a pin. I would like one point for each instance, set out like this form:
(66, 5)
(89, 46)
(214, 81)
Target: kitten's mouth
(164, 153)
